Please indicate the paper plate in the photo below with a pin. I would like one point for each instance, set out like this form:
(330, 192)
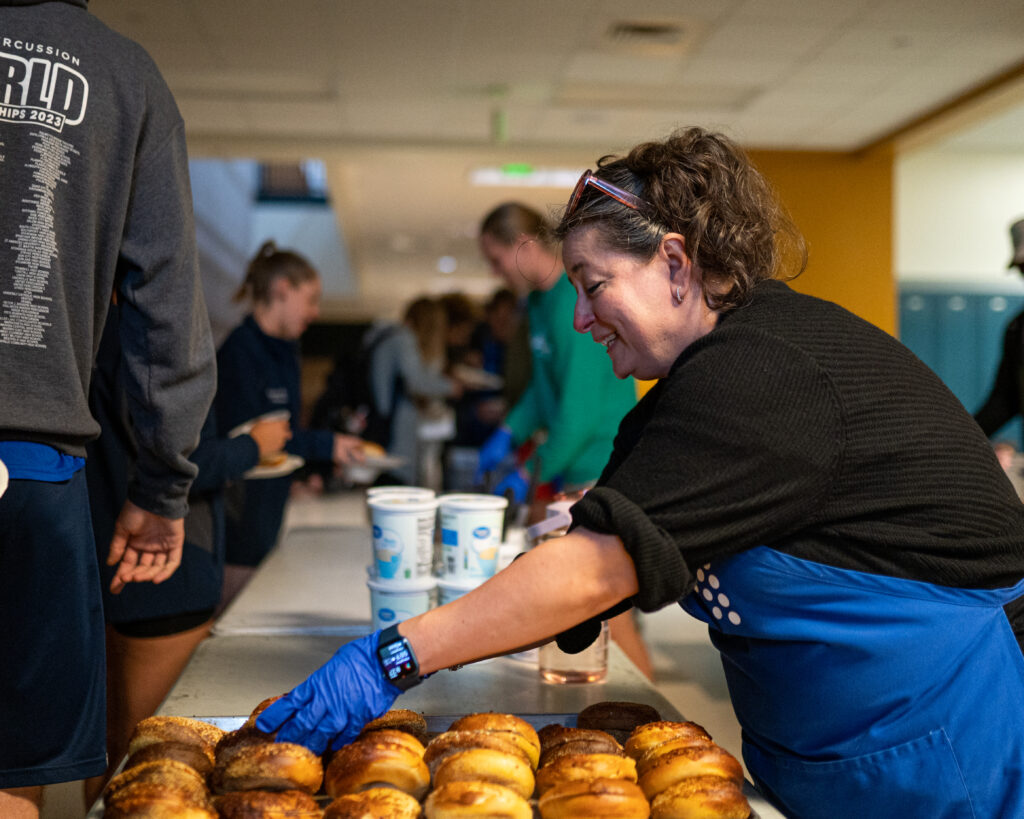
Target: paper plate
(243, 429)
(291, 463)
(477, 378)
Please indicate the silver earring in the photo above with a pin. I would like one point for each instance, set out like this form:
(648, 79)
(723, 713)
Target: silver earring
(679, 294)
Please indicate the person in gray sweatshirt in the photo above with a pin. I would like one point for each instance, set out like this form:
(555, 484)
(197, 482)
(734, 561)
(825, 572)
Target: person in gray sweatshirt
(93, 168)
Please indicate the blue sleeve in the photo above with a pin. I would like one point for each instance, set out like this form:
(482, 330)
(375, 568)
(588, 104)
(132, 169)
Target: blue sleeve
(312, 444)
(239, 386)
(221, 459)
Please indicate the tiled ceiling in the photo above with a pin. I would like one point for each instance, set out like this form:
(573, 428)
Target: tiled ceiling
(402, 96)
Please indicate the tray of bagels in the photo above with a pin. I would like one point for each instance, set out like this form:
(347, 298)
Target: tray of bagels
(612, 759)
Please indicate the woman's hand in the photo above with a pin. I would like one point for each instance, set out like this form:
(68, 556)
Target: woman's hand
(348, 448)
(271, 436)
(331, 707)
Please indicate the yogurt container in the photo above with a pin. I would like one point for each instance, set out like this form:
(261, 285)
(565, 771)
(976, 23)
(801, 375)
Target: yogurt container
(417, 493)
(450, 588)
(391, 603)
(403, 536)
(471, 527)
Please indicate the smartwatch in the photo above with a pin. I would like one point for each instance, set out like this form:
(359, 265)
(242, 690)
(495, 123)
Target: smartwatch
(397, 660)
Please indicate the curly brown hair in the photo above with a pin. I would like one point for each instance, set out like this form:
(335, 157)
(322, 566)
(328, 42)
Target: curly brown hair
(701, 185)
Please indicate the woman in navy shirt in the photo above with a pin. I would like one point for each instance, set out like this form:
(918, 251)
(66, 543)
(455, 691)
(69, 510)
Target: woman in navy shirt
(258, 373)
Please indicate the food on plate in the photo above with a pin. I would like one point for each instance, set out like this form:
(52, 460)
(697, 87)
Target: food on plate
(645, 737)
(518, 729)
(652, 754)
(268, 766)
(195, 756)
(400, 719)
(564, 741)
(155, 801)
(462, 800)
(373, 450)
(381, 757)
(487, 765)
(701, 797)
(585, 766)
(250, 722)
(234, 741)
(451, 742)
(374, 803)
(174, 729)
(616, 717)
(594, 799)
(272, 459)
(166, 773)
(261, 804)
(697, 760)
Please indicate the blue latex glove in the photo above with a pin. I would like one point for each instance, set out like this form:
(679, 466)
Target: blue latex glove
(518, 481)
(335, 702)
(493, 452)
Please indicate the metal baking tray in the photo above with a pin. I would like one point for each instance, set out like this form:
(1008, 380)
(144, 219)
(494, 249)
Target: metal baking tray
(439, 723)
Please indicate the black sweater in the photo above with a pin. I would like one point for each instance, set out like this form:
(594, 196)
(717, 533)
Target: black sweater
(796, 425)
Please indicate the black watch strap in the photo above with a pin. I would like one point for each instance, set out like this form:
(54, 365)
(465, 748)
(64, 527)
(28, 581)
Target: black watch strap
(397, 660)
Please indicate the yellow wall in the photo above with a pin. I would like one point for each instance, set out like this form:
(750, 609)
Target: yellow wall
(843, 205)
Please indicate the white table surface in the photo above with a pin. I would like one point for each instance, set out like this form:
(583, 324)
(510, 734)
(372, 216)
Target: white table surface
(313, 582)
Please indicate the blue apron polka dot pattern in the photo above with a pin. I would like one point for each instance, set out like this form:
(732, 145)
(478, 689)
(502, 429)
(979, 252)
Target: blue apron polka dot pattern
(865, 695)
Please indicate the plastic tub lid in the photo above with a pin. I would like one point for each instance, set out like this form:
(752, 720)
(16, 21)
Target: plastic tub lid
(398, 503)
(468, 500)
(399, 490)
(410, 586)
(460, 584)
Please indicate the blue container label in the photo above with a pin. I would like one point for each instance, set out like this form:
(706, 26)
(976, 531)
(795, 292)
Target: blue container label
(377, 531)
(482, 532)
(449, 537)
(386, 615)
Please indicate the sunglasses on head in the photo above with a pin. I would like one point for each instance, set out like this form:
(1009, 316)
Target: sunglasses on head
(630, 200)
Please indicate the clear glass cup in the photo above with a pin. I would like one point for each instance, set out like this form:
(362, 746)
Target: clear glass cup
(589, 666)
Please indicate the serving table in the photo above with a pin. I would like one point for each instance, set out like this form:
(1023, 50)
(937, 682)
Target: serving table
(309, 596)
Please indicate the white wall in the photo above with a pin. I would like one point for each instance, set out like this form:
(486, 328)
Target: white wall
(953, 211)
(231, 226)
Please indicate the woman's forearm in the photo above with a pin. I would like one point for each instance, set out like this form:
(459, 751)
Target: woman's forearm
(557, 585)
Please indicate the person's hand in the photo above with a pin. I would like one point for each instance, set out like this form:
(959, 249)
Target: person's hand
(334, 703)
(348, 448)
(458, 388)
(493, 451)
(1005, 453)
(517, 482)
(145, 547)
(271, 436)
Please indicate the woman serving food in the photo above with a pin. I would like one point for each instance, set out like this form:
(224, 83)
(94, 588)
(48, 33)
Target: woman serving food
(797, 479)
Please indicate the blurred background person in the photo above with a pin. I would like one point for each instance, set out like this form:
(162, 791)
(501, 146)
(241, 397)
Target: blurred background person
(408, 385)
(1006, 398)
(573, 398)
(152, 630)
(258, 373)
(572, 395)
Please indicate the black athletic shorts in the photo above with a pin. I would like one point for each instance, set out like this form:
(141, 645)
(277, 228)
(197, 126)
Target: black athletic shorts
(52, 663)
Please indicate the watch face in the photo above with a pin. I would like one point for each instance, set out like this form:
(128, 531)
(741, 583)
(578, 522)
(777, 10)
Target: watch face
(396, 660)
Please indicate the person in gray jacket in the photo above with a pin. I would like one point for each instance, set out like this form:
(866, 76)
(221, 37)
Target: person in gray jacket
(94, 171)
(406, 363)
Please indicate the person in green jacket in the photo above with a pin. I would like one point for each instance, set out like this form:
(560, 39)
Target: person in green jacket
(573, 394)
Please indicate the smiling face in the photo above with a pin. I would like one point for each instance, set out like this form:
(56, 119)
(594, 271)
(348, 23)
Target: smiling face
(630, 305)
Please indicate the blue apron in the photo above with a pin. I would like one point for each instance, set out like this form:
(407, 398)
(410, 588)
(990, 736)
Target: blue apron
(861, 695)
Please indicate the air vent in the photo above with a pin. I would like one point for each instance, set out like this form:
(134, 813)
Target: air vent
(662, 37)
(637, 34)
